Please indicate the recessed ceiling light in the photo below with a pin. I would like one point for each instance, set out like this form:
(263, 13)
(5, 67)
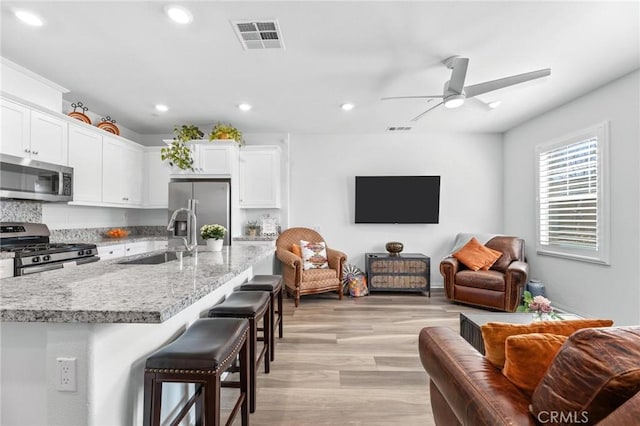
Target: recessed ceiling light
(494, 104)
(178, 14)
(244, 107)
(29, 18)
(162, 108)
(347, 106)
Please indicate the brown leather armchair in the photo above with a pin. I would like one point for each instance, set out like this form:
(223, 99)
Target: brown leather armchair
(312, 281)
(500, 288)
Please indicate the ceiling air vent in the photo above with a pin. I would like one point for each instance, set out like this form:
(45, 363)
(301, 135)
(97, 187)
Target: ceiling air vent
(259, 35)
(399, 128)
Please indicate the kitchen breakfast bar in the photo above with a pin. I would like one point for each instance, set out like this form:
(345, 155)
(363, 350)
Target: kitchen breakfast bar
(108, 316)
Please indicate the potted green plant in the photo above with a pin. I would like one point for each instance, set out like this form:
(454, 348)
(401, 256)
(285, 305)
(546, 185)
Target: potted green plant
(178, 153)
(226, 131)
(213, 236)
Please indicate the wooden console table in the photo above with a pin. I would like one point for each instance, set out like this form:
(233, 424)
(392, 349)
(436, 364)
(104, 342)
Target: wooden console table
(404, 272)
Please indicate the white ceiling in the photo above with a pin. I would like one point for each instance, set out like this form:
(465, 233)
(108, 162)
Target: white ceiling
(121, 58)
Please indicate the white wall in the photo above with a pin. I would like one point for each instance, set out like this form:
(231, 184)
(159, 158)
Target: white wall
(323, 170)
(585, 288)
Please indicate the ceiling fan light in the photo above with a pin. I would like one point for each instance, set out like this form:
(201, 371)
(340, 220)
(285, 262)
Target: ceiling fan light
(454, 101)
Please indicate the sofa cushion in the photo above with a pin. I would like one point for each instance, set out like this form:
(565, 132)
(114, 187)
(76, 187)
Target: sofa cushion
(295, 249)
(595, 372)
(314, 255)
(488, 280)
(527, 357)
(495, 334)
(319, 275)
(475, 256)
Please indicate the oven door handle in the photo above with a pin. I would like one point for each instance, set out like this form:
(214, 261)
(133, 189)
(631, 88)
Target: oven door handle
(40, 268)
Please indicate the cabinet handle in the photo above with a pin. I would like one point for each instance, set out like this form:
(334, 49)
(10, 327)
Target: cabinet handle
(34, 152)
(27, 150)
(128, 249)
(111, 252)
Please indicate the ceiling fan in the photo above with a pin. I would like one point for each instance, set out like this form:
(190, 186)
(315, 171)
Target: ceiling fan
(455, 92)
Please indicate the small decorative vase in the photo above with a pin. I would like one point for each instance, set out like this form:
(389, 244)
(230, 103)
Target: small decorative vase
(214, 245)
(394, 248)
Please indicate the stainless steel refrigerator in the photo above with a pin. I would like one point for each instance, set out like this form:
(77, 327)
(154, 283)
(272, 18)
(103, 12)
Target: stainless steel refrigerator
(213, 205)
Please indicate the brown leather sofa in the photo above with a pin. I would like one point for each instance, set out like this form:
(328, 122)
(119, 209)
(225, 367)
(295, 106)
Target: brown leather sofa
(499, 288)
(466, 389)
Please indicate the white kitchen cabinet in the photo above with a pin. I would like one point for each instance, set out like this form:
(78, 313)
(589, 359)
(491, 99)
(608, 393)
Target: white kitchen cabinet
(85, 156)
(259, 174)
(33, 134)
(217, 157)
(156, 179)
(138, 247)
(112, 251)
(49, 140)
(121, 172)
(6, 268)
(16, 128)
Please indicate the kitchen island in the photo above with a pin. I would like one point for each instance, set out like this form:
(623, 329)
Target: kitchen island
(109, 317)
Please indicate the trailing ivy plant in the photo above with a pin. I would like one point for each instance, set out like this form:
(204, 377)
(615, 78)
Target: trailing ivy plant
(187, 133)
(226, 131)
(178, 152)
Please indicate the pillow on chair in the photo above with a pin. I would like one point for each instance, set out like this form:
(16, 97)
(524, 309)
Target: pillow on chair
(476, 256)
(314, 255)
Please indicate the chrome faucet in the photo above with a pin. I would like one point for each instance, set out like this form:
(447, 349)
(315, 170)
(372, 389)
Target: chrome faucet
(193, 237)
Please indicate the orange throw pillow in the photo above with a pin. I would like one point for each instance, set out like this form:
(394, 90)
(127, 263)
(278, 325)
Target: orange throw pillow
(527, 357)
(295, 249)
(495, 334)
(476, 256)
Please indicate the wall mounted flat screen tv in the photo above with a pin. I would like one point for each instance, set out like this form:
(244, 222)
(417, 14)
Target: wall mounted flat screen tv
(397, 199)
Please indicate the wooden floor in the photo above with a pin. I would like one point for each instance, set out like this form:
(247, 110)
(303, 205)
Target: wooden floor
(352, 362)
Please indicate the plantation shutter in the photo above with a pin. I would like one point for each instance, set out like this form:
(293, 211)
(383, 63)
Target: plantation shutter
(568, 195)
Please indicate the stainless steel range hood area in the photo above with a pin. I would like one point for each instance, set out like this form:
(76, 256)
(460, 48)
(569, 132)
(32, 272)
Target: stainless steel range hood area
(28, 179)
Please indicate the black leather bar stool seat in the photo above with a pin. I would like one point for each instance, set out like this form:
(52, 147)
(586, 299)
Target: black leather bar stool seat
(254, 306)
(272, 284)
(200, 355)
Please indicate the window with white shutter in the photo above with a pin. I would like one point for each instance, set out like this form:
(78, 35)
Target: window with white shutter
(573, 199)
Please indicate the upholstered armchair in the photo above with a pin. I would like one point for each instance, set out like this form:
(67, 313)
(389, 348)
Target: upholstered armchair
(299, 281)
(500, 287)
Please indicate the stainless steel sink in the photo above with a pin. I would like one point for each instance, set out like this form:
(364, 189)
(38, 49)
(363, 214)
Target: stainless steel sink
(156, 259)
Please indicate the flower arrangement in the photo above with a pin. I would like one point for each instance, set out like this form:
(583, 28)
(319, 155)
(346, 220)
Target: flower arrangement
(540, 306)
(213, 232)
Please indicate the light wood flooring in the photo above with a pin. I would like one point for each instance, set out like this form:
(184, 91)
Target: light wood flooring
(352, 362)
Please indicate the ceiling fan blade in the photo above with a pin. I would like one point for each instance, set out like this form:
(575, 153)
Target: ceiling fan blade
(418, 117)
(459, 73)
(410, 97)
(489, 86)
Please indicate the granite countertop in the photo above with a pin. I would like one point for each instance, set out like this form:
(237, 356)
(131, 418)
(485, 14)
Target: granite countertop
(109, 292)
(256, 238)
(106, 241)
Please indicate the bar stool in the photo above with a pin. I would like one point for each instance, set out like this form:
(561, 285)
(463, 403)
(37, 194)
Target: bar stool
(254, 306)
(200, 355)
(272, 284)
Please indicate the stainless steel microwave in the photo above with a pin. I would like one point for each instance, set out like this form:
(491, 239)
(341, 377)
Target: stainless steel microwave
(27, 179)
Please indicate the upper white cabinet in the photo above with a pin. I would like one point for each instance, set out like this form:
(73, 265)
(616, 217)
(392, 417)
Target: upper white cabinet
(217, 157)
(259, 174)
(85, 156)
(16, 128)
(48, 138)
(121, 172)
(156, 179)
(33, 134)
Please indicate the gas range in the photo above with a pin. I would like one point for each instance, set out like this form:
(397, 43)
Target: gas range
(34, 253)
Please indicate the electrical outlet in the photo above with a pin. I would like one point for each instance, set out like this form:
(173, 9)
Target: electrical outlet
(66, 374)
